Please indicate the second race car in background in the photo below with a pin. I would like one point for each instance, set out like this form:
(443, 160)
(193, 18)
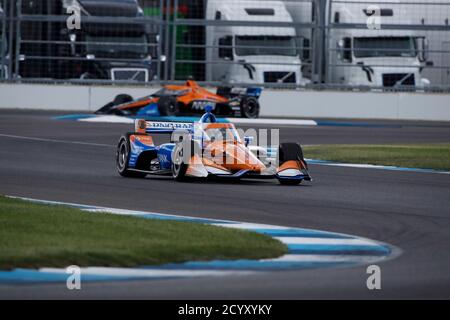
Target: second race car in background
(174, 100)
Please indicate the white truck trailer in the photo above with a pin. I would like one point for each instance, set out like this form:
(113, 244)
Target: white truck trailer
(251, 54)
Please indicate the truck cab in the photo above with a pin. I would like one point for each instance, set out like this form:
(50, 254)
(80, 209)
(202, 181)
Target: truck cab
(99, 50)
(120, 51)
(376, 57)
(251, 54)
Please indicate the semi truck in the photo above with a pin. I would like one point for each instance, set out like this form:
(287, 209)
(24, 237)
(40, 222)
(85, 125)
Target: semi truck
(251, 54)
(98, 50)
(366, 56)
(375, 57)
(225, 53)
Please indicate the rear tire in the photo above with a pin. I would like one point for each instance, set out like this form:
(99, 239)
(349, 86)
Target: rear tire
(123, 158)
(168, 106)
(249, 108)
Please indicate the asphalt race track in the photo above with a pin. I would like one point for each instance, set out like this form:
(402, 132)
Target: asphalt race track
(74, 162)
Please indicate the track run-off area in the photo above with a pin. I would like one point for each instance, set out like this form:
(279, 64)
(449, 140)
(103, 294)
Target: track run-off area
(73, 161)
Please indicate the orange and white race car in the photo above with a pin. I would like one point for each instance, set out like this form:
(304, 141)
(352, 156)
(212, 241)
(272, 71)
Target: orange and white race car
(174, 100)
(206, 149)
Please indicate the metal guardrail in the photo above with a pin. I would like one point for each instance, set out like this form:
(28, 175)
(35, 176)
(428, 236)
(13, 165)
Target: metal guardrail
(3, 41)
(175, 43)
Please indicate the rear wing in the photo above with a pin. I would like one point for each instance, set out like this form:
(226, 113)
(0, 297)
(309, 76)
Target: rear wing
(144, 126)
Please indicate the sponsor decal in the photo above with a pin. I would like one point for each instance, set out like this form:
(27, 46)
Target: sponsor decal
(201, 105)
(169, 125)
(147, 140)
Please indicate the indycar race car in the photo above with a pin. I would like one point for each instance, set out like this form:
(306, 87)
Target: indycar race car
(175, 100)
(206, 149)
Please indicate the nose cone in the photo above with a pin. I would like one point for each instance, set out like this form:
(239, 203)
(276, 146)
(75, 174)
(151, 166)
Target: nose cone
(236, 157)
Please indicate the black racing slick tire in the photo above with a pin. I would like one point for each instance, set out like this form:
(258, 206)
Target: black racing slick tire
(290, 151)
(287, 152)
(168, 106)
(250, 108)
(289, 182)
(123, 158)
(179, 167)
(180, 156)
(122, 98)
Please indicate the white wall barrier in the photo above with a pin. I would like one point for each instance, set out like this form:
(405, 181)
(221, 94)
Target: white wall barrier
(274, 103)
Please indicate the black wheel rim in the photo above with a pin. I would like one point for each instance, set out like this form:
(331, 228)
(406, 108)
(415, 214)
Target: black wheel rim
(177, 161)
(122, 156)
(171, 109)
(251, 109)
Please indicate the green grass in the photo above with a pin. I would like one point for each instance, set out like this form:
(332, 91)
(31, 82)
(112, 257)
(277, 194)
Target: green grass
(35, 235)
(428, 156)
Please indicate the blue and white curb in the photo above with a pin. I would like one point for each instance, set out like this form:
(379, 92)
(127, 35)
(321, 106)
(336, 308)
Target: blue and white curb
(307, 249)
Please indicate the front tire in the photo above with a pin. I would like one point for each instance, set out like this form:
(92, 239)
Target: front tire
(290, 182)
(123, 158)
(288, 152)
(179, 155)
(250, 108)
(179, 168)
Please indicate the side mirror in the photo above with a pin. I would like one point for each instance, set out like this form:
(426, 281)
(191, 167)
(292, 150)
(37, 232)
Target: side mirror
(340, 49)
(306, 50)
(426, 48)
(248, 140)
(73, 40)
(226, 48)
(345, 49)
(303, 48)
(423, 47)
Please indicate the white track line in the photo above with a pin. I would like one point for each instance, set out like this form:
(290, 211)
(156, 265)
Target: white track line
(56, 141)
(108, 119)
(287, 122)
(292, 122)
